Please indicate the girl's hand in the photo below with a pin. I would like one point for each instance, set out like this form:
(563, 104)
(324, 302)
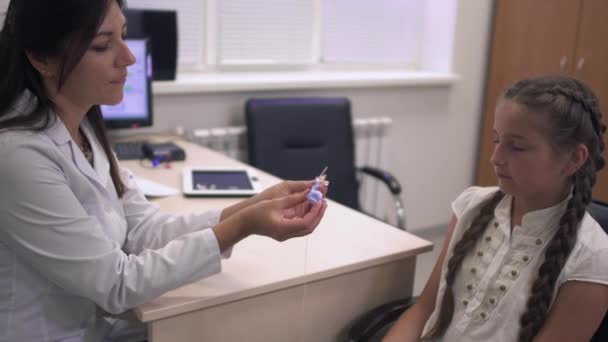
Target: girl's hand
(284, 217)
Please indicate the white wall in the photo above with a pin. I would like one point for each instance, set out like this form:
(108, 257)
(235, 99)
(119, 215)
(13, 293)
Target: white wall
(433, 143)
(471, 56)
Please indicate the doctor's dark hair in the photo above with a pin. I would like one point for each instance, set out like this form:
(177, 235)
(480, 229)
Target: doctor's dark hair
(571, 115)
(63, 29)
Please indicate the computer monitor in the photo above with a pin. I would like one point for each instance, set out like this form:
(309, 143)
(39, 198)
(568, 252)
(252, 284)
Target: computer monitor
(160, 27)
(135, 109)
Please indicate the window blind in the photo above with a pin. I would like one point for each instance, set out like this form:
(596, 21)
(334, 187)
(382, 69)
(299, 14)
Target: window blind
(379, 31)
(265, 31)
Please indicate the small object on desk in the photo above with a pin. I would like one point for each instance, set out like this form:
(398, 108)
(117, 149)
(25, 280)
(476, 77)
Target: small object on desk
(224, 182)
(129, 150)
(154, 189)
(164, 152)
(315, 196)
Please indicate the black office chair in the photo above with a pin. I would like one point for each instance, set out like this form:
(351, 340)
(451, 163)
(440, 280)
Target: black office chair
(374, 324)
(294, 138)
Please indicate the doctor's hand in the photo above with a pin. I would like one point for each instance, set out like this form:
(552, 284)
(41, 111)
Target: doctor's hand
(280, 218)
(284, 217)
(287, 188)
(280, 190)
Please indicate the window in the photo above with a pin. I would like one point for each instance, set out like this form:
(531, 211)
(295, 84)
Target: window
(377, 32)
(215, 34)
(265, 32)
(332, 34)
(311, 34)
(344, 31)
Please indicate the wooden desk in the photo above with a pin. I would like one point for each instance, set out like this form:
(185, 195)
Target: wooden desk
(304, 289)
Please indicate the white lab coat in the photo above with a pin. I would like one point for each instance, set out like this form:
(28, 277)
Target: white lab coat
(69, 245)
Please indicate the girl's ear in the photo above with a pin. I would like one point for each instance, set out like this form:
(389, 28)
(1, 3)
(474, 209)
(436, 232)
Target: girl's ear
(578, 157)
(44, 66)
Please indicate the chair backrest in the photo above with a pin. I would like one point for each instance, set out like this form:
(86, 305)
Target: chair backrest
(294, 138)
(599, 211)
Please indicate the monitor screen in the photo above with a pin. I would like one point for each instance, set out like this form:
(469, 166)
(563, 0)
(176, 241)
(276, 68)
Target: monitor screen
(135, 109)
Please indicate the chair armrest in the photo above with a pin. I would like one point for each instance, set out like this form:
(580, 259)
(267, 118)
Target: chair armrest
(373, 321)
(386, 177)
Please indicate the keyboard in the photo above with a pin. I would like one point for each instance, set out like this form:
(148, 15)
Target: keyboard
(129, 150)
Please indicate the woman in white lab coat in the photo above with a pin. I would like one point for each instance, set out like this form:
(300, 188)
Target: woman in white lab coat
(75, 232)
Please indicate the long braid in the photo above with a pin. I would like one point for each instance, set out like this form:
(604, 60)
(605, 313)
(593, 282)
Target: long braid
(556, 254)
(461, 250)
(561, 245)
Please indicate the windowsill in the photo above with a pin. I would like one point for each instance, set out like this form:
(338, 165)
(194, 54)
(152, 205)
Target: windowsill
(245, 81)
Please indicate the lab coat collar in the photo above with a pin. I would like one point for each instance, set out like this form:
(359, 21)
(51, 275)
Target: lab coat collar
(99, 172)
(57, 131)
(100, 160)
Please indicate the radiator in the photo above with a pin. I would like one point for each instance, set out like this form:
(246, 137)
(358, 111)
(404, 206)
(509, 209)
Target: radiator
(370, 138)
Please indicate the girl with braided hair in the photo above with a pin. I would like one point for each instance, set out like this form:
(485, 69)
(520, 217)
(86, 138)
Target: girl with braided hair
(524, 261)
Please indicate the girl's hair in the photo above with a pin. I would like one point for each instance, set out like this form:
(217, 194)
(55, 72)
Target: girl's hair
(62, 29)
(573, 117)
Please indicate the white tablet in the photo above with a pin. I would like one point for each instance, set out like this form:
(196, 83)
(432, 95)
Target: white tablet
(208, 181)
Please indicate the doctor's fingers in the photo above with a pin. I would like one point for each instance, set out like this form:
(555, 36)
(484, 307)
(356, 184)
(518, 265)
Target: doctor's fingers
(298, 210)
(291, 201)
(319, 216)
(308, 223)
(315, 213)
(299, 186)
(323, 188)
